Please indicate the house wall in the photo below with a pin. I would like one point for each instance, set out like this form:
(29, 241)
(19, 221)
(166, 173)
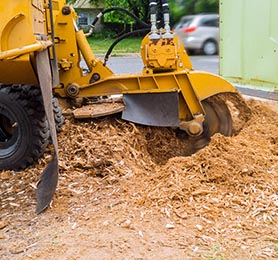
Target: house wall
(90, 14)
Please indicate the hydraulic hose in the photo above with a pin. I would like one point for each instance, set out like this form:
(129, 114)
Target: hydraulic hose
(166, 18)
(153, 7)
(165, 6)
(142, 23)
(153, 10)
(118, 40)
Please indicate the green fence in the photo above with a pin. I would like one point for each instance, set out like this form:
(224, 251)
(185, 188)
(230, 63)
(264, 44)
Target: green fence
(249, 45)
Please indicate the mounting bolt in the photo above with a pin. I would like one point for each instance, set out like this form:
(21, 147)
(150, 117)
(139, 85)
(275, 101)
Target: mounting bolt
(95, 77)
(72, 90)
(66, 10)
(193, 127)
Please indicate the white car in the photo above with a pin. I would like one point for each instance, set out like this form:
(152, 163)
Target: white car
(199, 32)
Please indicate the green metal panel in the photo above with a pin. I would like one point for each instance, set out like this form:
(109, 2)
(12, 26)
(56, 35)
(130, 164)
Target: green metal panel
(249, 43)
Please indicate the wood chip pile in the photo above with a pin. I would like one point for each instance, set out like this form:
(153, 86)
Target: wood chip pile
(229, 186)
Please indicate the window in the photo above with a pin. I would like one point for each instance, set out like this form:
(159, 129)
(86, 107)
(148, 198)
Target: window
(214, 22)
(83, 19)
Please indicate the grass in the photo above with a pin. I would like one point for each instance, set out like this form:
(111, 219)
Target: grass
(100, 45)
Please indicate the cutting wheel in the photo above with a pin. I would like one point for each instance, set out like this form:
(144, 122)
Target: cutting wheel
(217, 120)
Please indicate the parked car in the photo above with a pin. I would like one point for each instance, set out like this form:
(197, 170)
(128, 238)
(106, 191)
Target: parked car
(199, 32)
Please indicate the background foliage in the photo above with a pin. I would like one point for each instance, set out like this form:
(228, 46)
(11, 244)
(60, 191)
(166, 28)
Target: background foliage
(140, 8)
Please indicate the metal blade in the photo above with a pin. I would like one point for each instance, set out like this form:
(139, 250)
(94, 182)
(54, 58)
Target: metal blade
(154, 109)
(217, 120)
(47, 185)
(49, 178)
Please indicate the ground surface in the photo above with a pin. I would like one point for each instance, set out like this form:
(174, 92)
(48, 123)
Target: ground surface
(127, 192)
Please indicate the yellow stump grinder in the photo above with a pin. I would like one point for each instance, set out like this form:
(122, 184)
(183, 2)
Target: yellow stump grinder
(41, 49)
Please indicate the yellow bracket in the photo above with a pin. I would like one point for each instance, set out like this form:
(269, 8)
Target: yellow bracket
(206, 84)
(38, 46)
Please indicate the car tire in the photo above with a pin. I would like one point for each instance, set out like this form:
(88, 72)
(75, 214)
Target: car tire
(210, 47)
(190, 51)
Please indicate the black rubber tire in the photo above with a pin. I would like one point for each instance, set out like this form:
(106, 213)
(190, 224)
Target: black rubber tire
(58, 116)
(24, 131)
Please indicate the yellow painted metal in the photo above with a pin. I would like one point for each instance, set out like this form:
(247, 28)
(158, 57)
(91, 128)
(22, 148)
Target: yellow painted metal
(206, 84)
(17, 64)
(16, 25)
(85, 49)
(164, 54)
(19, 72)
(38, 46)
(151, 83)
(66, 48)
(71, 45)
(167, 69)
(94, 64)
(22, 22)
(25, 28)
(128, 84)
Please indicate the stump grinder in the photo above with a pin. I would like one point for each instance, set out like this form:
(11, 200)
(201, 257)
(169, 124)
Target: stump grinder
(42, 57)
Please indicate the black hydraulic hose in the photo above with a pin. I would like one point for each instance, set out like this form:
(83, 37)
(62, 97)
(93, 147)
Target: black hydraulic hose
(142, 23)
(153, 6)
(159, 15)
(118, 40)
(153, 11)
(165, 6)
(166, 18)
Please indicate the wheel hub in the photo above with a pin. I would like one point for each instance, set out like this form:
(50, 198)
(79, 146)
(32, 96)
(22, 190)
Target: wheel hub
(6, 128)
(194, 127)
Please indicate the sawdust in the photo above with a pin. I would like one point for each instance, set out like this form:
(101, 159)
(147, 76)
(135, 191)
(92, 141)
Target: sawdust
(130, 192)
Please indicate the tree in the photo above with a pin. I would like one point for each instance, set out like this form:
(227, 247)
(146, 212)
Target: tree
(207, 6)
(180, 8)
(140, 8)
